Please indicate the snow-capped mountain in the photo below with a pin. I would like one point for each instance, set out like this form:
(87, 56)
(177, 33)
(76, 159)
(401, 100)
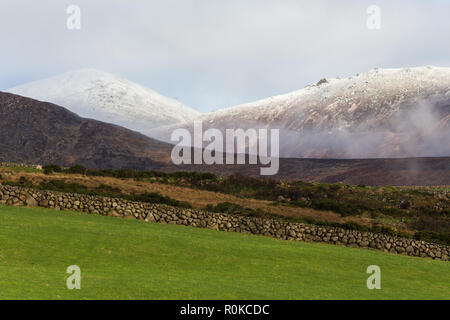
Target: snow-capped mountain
(381, 113)
(106, 97)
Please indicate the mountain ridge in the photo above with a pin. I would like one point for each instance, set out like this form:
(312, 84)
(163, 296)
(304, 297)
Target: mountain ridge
(382, 113)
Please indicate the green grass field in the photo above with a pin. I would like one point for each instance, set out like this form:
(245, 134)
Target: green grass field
(126, 259)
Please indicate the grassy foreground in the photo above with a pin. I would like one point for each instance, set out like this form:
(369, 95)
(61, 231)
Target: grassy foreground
(126, 259)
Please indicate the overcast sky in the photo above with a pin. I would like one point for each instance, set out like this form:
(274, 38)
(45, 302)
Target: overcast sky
(212, 54)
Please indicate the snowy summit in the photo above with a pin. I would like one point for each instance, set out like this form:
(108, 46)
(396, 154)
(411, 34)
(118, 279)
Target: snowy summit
(106, 97)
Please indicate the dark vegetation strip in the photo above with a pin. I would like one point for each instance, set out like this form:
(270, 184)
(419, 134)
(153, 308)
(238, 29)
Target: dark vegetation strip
(102, 190)
(426, 211)
(226, 207)
(340, 198)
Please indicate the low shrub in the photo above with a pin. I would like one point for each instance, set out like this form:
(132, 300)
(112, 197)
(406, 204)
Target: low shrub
(154, 197)
(61, 186)
(49, 169)
(77, 169)
(433, 237)
(344, 209)
(233, 208)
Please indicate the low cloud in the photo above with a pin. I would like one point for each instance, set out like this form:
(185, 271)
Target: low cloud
(415, 131)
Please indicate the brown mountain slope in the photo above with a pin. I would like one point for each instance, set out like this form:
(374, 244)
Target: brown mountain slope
(37, 132)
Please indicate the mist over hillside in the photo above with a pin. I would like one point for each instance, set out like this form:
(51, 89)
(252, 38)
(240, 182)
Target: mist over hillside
(383, 113)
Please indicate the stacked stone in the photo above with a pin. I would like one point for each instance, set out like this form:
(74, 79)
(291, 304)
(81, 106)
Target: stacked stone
(275, 228)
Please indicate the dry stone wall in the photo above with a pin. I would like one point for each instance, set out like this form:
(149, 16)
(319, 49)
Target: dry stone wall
(279, 229)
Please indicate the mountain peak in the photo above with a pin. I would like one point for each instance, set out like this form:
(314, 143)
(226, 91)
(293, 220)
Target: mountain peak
(103, 96)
